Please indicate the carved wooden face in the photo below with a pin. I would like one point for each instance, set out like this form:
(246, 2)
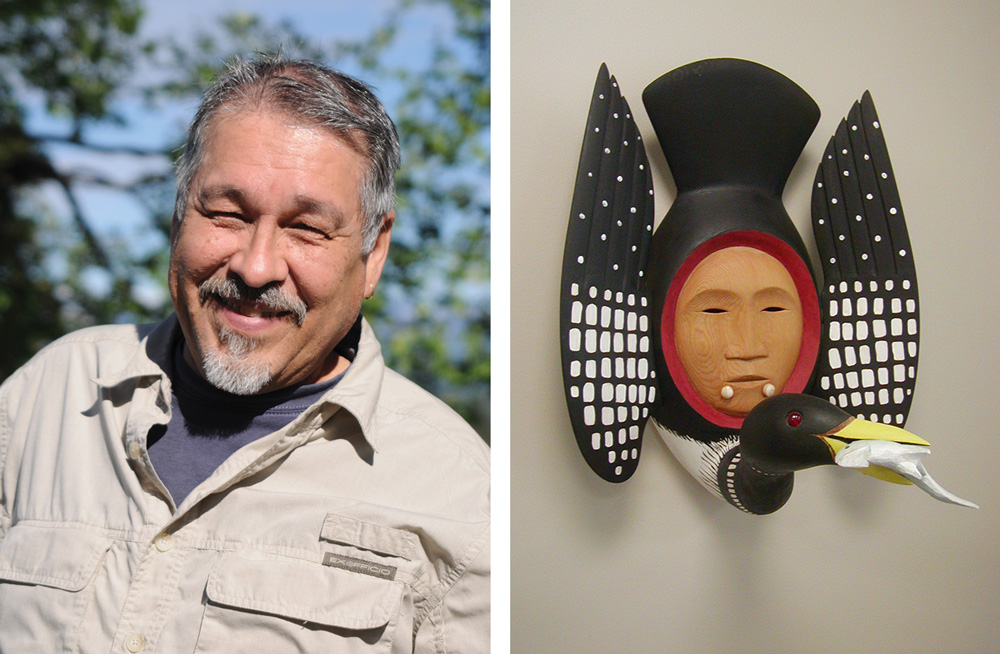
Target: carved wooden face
(738, 328)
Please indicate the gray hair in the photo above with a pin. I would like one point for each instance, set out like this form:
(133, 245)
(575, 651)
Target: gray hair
(307, 91)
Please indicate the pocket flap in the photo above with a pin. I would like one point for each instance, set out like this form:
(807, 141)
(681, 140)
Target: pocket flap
(51, 556)
(369, 536)
(304, 591)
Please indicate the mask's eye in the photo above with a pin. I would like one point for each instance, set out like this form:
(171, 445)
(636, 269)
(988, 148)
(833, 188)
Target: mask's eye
(794, 419)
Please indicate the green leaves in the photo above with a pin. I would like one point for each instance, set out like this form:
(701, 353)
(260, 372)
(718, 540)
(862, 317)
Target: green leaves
(76, 52)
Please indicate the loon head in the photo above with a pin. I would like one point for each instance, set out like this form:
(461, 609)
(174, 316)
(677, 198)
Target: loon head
(791, 432)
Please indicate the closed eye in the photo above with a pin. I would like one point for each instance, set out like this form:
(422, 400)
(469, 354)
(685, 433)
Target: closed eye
(713, 310)
(226, 217)
(774, 309)
(311, 230)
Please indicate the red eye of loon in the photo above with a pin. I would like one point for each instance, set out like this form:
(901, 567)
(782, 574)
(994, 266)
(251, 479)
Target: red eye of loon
(794, 419)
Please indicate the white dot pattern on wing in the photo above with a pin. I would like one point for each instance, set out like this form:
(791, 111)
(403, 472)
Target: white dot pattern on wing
(870, 364)
(612, 376)
(607, 352)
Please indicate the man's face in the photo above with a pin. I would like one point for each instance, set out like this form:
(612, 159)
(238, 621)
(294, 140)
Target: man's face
(266, 270)
(738, 328)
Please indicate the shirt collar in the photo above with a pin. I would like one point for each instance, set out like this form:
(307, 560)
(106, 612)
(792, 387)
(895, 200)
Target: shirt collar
(150, 359)
(358, 392)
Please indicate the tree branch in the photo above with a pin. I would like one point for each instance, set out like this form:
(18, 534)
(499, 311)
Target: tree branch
(105, 149)
(88, 236)
(88, 176)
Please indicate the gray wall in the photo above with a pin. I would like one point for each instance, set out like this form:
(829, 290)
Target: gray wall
(849, 564)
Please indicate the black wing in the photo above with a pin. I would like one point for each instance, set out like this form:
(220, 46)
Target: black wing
(604, 309)
(868, 352)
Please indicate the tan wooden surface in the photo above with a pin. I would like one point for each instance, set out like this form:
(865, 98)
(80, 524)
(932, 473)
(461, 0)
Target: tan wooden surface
(738, 328)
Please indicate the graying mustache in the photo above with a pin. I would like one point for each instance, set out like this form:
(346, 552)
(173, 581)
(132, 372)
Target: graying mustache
(272, 297)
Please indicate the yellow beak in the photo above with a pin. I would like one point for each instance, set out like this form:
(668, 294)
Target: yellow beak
(857, 429)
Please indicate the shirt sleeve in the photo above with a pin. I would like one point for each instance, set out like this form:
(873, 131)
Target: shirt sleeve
(6, 402)
(461, 622)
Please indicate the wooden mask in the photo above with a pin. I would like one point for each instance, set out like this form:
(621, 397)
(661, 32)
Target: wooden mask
(718, 314)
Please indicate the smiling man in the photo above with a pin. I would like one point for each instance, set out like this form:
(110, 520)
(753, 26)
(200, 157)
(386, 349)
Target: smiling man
(270, 263)
(247, 475)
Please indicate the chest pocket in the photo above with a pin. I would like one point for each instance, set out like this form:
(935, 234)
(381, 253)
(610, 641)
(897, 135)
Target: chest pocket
(348, 602)
(46, 580)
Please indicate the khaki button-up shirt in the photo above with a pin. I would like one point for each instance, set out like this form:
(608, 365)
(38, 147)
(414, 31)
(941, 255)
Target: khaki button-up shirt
(362, 526)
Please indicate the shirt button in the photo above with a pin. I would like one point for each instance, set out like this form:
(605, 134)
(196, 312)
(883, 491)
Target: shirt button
(163, 542)
(135, 642)
(134, 450)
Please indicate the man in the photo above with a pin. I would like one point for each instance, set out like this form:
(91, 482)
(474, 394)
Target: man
(247, 476)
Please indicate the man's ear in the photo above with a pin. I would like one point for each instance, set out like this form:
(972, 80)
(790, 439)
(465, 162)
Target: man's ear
(379, 253)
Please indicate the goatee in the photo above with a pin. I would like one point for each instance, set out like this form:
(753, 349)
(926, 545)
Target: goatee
(235, 367)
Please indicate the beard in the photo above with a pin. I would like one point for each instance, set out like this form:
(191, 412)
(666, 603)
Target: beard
(236, 367)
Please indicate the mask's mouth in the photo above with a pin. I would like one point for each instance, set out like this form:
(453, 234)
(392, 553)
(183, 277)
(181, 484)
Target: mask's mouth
(747, 379)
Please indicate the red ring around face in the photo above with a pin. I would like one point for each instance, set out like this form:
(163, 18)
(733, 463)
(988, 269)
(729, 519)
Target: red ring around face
(801, 277)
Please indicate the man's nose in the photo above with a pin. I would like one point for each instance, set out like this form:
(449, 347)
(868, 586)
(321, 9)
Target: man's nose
(260, 260)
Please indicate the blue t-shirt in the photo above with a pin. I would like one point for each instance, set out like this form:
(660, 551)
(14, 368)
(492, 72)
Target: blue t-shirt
(207, 424)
